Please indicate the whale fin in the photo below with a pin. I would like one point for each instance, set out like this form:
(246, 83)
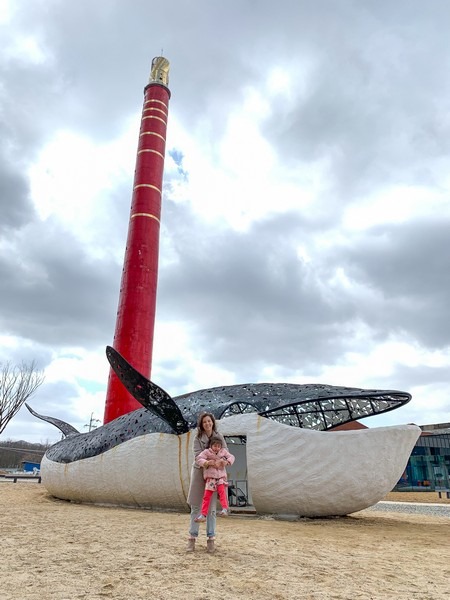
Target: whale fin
(61, 425)
(150, 395)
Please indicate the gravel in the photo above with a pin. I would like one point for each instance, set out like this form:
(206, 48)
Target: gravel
(436, 510)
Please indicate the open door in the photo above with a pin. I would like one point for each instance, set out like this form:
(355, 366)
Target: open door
(239, 494)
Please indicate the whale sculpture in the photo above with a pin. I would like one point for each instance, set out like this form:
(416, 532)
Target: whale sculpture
(294, 467)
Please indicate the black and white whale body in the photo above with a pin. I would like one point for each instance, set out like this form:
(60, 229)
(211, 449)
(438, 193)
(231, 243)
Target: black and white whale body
(311, 406)
(143, 459)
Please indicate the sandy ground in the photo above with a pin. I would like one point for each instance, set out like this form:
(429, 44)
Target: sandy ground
(56, 550)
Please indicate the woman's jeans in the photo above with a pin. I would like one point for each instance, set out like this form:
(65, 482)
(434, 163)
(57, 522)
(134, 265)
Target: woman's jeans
(210, 519)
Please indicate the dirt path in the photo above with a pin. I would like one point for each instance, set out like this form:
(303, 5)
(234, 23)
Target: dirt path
(55, 550)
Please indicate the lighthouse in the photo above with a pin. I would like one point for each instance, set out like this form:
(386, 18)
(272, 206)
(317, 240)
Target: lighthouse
(133, 337)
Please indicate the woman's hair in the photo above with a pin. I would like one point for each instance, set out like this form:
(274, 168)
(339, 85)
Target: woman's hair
(201, 416)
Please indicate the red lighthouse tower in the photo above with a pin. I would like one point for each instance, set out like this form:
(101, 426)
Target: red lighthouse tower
(133, 336)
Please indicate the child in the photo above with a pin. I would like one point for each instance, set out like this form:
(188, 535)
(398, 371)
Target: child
(213, 460)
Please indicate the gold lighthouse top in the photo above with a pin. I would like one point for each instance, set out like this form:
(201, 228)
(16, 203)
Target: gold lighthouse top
(160, 71)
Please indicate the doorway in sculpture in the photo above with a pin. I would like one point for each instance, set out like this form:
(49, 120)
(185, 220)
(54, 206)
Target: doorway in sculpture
(239, 493)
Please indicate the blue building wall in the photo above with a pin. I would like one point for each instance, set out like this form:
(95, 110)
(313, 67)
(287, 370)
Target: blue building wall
(29, 466)
(428, 466)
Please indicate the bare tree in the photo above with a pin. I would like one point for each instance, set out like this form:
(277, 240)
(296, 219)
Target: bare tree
(17, 384)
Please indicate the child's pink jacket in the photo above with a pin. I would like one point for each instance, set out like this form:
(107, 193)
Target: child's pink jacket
(212, 472)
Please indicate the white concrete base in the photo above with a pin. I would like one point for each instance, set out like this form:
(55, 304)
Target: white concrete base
(291, 471)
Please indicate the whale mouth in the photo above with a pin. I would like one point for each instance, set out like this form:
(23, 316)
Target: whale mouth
(323, 407)
(326, 413)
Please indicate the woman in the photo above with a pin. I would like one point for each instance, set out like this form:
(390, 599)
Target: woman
(206, 427)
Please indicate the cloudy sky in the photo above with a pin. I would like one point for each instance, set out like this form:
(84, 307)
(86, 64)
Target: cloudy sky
(306, 214)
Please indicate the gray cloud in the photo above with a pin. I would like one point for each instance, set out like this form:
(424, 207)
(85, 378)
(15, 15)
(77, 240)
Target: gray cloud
(252, 299)
(254, 302)
(370, 98)
(374, 104)
(405, 266)
(417, 376)
(14, 200)
(53, 291)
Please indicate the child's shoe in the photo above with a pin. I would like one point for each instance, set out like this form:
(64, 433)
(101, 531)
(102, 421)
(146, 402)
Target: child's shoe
(223, 513)
(200, 519)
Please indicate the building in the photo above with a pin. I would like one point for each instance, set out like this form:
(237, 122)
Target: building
(30, 467)
(428, 467)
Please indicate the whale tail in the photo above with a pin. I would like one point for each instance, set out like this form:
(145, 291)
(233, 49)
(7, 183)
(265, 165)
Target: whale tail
(61, 425)
(150, 395)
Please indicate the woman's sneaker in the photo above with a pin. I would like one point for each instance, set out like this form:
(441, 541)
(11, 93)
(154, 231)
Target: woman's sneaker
(200, 519)
(223, 513)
